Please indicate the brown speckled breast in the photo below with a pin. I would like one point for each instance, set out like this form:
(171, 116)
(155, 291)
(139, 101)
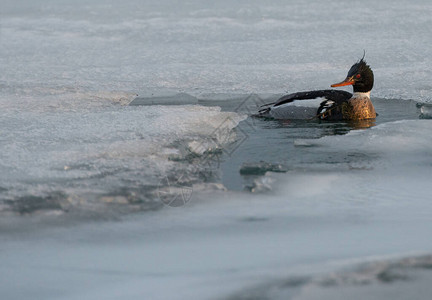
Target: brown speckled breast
(358, 109)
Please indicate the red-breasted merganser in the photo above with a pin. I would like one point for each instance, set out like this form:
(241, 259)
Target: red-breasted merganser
(337, 105)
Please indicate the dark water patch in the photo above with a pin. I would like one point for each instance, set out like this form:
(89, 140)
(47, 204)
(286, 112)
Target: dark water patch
(30, 204)
(425, 110)
(254, 219)
(2, 189)
(131, 199)
(118, 201)
(170, 99)
(288, 143)
(260, 168)
(390, 276)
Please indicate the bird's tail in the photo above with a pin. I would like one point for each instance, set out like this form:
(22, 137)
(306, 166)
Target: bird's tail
(263, 113)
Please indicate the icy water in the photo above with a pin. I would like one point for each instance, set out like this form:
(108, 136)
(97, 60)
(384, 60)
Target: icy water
(130, 167)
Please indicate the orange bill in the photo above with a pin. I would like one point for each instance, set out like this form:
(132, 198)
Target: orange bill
(347, 81)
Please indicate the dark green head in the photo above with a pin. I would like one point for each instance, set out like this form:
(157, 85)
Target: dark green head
(360, 76)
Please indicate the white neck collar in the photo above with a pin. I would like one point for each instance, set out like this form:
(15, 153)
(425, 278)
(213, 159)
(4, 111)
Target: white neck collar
(361, 95)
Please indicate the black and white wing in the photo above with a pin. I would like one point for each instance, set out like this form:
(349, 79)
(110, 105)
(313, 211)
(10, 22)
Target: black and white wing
(305, 105)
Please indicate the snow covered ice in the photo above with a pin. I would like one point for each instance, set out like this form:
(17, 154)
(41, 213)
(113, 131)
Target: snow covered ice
(103, 103)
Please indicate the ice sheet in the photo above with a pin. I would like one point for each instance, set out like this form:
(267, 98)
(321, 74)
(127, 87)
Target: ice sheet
(202, 47)
(74, 156)
(68, 70)
(220, 244)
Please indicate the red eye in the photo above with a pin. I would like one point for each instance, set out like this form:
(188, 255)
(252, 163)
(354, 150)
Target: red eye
(358, 76)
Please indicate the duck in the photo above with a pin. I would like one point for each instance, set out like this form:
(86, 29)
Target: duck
(329, 104)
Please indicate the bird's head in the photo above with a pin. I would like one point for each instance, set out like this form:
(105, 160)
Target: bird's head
(360, 76)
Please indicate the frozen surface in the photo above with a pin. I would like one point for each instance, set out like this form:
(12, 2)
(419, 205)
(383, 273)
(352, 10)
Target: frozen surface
(340, 194)
(70, 158)
(204, 46)
(327, 217)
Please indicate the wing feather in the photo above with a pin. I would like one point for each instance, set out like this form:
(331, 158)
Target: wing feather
(334, 95)
(333, 99)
